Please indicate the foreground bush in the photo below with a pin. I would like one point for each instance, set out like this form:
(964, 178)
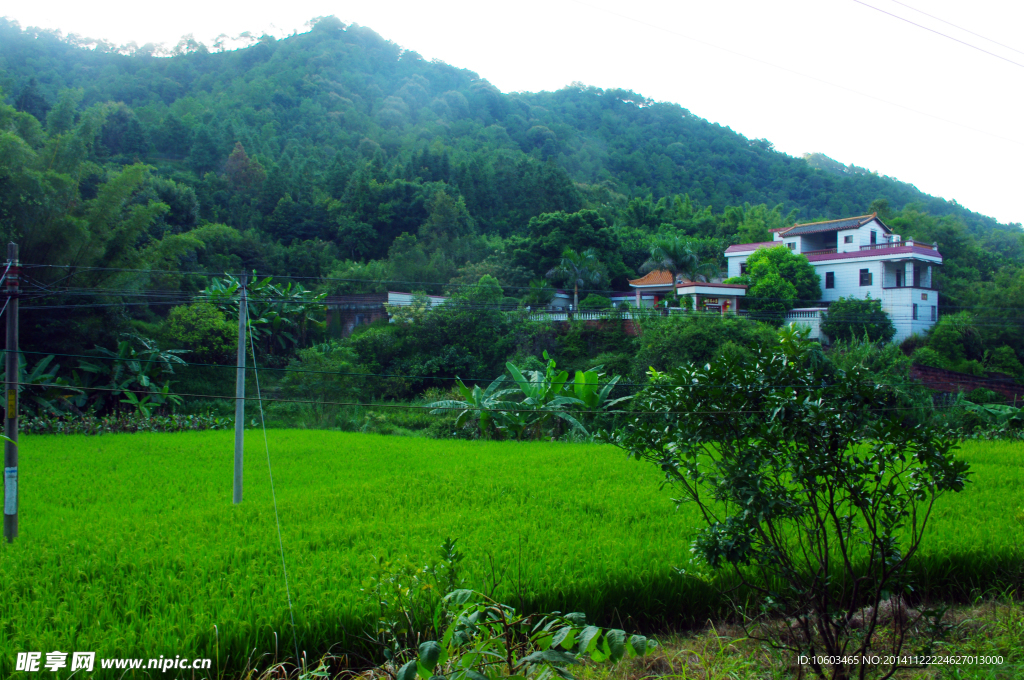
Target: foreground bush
(813, 490)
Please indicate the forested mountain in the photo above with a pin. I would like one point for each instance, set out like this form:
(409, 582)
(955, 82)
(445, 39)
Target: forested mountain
(338, 156)
(314, 107)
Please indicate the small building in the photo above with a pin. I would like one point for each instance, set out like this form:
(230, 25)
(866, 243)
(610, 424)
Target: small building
(712, 297)
(659, 284)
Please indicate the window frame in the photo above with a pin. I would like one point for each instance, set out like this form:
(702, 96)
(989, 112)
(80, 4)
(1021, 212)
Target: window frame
(830, 279)
(866, 274)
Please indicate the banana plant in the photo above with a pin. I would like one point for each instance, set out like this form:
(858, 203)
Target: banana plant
(476, 403)
(42, 386)
(138, 365)
(587, 388)
(546, 397)
(284, 314)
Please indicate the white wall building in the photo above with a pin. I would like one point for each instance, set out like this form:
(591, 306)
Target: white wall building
(861, 257)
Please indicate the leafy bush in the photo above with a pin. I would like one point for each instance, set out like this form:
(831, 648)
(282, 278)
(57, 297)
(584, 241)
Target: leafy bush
(814, 492)
(926, 356)
(855, 319)
(889, 369)
(982, 395)
(203, 330)
(595, 301)
(320, 380)
(667, 342)
(1004, 360)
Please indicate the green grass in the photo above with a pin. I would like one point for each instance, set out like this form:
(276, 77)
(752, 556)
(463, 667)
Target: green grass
(130, 545)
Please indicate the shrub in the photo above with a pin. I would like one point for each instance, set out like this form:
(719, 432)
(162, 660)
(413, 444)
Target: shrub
(857, 319)
(983, 395)
(595, 301)
(814, 492)
(667, 342)
(926, 356)
(202, 329)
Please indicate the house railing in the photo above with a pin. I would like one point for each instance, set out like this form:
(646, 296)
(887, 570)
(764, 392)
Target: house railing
(823, 251)
(910, 243)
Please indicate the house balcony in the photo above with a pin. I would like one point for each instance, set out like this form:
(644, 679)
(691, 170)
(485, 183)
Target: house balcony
(909, 243)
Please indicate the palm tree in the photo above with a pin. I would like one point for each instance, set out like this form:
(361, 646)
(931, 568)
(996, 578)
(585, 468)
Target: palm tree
(580, 268)
(675, 255)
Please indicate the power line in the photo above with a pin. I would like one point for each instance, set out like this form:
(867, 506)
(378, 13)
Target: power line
(932, 30)
(368, 375)
(797, 73)
(961, 28)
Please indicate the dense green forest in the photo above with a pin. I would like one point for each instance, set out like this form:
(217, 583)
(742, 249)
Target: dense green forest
(341, 159)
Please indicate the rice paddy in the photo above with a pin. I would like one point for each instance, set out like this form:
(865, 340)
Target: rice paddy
(130, 545)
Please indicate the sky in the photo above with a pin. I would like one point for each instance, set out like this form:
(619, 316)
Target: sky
(846, 78)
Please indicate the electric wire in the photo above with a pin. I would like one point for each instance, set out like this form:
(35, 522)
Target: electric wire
(244, 311)
(798, 73)
(368, 375)
(958, 27)
(932, 30)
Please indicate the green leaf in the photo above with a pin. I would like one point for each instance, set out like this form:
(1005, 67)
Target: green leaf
(461, 596)
(407, 672)
(637, 645)
(560, 636)
(430, 653)
(616, 643)
(586, 638)
(551, 656)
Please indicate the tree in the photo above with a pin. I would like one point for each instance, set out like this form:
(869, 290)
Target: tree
(677, 256)
(578, 269)
(814, 493)
(853, 319)
(771, 296)
(794, 268)
(32, 101)
(244, 174)
(203, 330)
(552, 233)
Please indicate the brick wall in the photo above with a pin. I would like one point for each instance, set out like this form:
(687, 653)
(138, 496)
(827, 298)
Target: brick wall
(941, 380)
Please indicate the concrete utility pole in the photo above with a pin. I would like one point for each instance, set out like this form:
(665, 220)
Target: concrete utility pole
(11, 421)
(240, 389)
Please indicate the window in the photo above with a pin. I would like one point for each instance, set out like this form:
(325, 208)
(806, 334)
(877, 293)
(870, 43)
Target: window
(743, 268)
(933, 313)
(830, 279)
(865, 277)
(914, 313)
(848, 239)
(899, 279)
(874, 237)
(791, 245)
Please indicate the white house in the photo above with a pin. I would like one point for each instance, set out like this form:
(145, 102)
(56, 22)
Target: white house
(858, 257)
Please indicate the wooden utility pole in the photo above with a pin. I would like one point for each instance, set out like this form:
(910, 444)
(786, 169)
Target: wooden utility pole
(11, 421)
(243, 313)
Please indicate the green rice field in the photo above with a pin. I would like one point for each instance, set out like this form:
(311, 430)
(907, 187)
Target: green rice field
(130, 544)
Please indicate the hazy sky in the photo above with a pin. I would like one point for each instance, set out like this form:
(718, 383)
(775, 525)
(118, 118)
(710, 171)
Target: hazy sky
(831, 76)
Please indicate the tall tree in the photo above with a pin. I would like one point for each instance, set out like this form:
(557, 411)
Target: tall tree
(677, 256)
(579, 268)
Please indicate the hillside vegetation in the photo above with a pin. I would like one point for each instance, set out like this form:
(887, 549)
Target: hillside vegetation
(339, 158)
